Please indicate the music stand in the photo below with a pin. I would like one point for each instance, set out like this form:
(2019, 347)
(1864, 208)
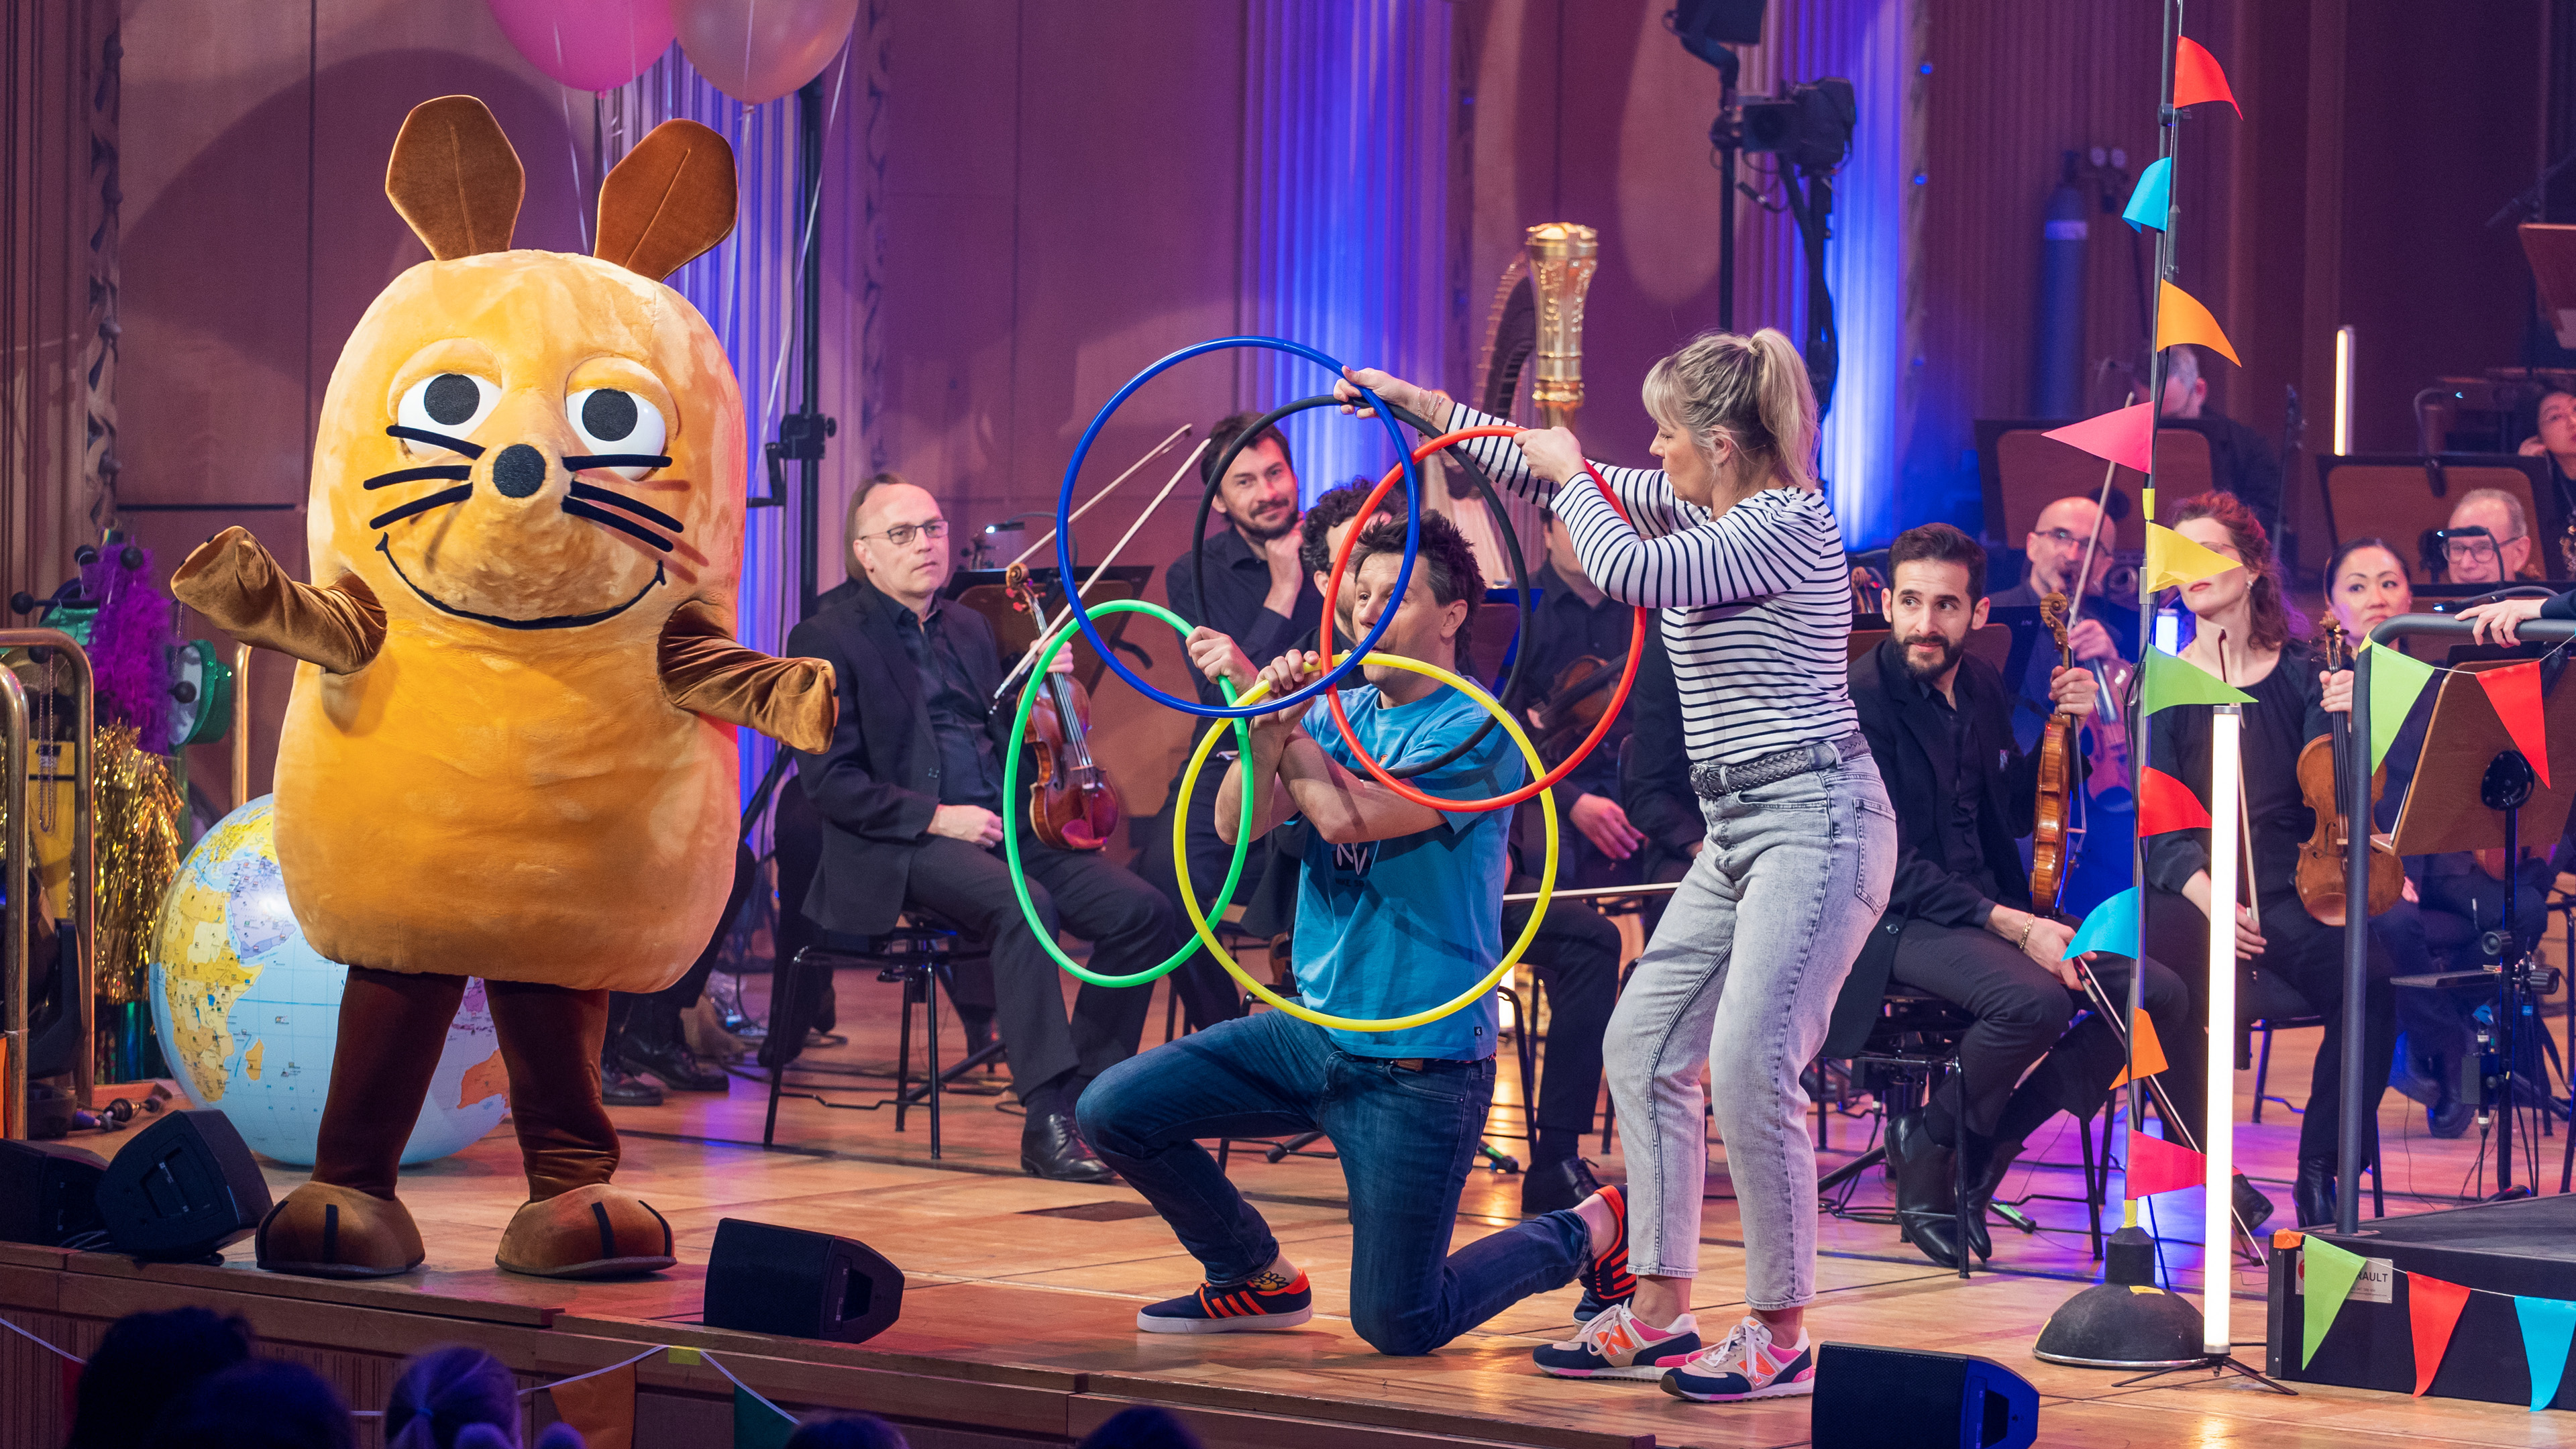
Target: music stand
(2474, 790)
(2023, 471)
(2551, 251)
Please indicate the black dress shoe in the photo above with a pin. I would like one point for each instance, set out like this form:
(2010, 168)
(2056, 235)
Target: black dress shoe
(2313, 1194)
(1051, 1148)
(677, 1066)
(1981, 1194)
(617, 1089)
(1925, 1196)
(1557, 1186)
(2253, 1209)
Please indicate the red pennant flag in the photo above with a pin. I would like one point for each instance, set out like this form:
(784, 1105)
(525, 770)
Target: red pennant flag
(2126, 436)
(2156, 1165)
(71, 1388)
(2165, 804)
(2434, 1306)
(2515, 692)
(2197, 77)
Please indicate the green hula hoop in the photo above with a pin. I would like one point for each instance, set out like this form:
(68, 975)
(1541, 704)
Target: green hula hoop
(1465, 999)
(1012, 808)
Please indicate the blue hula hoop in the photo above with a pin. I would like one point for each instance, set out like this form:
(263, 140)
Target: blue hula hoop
(1358, 651)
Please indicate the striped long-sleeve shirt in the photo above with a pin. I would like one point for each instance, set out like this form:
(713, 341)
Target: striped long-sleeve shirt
(1756, 603)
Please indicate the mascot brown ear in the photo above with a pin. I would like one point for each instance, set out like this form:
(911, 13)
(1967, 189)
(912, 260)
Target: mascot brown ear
(669, 201)
(455, 179)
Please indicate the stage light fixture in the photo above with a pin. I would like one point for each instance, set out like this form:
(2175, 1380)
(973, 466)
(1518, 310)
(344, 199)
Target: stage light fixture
(1706, 27)
(1810, 127)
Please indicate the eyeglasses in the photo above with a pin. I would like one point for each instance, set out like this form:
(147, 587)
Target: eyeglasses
(904, 533)
(2067, 537)
(2481, 545)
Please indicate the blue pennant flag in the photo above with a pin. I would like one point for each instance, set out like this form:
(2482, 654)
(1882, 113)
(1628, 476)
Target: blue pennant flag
(2149, 203)
(2111, 927)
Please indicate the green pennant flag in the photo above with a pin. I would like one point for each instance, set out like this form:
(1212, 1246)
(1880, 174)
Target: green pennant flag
(2330, 1274)
(2396, 679)
(2172, 680)
(757, 1425)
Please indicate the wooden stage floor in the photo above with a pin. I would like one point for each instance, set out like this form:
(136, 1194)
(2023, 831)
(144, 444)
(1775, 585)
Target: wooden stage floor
(1018, 1316)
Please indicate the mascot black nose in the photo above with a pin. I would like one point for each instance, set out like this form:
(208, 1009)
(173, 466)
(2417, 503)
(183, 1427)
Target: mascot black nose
(519, 471)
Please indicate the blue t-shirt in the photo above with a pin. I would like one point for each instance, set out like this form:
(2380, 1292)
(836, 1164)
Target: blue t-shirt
(1392, 927)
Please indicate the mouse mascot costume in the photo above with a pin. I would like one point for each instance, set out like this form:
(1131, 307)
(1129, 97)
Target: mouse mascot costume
(510, 749)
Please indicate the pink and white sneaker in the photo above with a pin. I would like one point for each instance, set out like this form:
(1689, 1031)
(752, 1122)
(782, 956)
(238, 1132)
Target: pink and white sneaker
(1617, 1344)
(1746, 1364)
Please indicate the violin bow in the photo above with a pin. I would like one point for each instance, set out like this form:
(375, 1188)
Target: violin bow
(2244, 815)
(1157, 451)
(1100, 570)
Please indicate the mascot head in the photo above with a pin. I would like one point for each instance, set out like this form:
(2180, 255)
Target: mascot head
(520, 447)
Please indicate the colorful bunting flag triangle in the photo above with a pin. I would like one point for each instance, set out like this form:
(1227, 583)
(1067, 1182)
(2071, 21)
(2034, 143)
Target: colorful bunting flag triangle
(2181, 318)
(2166, 804)
(2396, 679)
(2514, 690)
(2548, 1326)
(757, 1424)
(2149, 201)
(2126, 436)
(2198, 78)
(2172, 680)
(2148, 1054)
(2156, 1165)
(2330, 1273)
(2173, 560)
(601, 1406)
(2111, 927)
(2432, 1311)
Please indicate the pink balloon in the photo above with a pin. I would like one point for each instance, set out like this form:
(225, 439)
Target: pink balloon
(589, 45)
(759, 50)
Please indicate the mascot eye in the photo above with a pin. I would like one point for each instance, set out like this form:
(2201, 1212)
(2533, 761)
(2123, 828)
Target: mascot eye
(614, 421)
(454, 403)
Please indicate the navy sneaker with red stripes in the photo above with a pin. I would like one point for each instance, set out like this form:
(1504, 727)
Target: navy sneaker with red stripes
(1254, 1307)
(1606, 1279)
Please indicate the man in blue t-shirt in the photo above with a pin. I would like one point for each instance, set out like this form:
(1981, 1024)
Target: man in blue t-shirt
(1399, 910)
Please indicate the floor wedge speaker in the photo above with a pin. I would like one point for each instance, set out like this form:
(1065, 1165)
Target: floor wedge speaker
(48, 1191)
(763, 1279)
(183, 1188)
(1889, 1398)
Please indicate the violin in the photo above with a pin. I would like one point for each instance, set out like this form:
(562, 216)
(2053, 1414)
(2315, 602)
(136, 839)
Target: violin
(2049, 857)
(1574, 703)
(1072, 804)
(2324, 768)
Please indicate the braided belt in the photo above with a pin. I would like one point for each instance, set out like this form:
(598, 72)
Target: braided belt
(1711, 781)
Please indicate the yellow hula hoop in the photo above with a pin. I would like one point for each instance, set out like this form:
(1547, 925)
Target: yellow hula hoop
(1511, 958)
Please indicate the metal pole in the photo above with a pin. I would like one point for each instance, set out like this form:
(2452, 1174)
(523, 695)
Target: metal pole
(13, 951)
(809, 467)
(241, 725)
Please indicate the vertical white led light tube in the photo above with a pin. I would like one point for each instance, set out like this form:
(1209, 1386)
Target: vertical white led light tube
(2217, 1267)
(2343, 391)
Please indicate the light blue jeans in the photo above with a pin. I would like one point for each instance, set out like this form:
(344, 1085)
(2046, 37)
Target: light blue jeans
(1742, 974)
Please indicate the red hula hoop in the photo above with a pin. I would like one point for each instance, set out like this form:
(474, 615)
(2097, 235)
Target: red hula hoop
(1324, 637)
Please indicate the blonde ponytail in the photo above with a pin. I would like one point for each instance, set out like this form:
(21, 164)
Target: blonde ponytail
(1753, 391)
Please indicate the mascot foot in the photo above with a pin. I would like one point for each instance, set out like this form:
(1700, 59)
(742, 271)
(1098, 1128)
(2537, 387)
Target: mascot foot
(322, 1231)
(589, 1232)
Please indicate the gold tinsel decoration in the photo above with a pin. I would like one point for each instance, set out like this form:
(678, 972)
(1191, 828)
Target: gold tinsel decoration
(138, 852)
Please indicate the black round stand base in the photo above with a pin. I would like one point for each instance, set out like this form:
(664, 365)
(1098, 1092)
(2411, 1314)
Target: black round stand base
(2124, 1321)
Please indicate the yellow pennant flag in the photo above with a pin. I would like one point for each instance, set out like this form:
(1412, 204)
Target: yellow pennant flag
(2181, 318)
(2173, 560)
(2150, 1054)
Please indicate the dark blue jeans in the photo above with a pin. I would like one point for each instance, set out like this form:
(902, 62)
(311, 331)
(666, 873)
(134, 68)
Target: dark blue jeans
(1406, 1139)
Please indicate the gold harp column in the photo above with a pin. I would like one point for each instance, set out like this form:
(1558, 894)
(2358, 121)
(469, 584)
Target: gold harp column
(1562, 258)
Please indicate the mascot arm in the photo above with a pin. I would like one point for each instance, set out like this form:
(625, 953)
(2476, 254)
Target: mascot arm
(703, 671)
(236, 583)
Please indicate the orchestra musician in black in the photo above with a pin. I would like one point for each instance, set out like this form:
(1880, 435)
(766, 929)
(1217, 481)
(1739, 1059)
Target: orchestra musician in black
(1959, 922)
(909, 796)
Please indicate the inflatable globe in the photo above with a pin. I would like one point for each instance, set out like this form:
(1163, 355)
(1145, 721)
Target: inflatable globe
(249, 1013)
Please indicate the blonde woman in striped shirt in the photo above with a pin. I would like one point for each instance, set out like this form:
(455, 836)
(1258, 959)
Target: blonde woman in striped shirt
(1739, 553)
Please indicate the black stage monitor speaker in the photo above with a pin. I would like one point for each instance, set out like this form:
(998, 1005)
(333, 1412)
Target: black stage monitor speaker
(48, 1191)
(183, 1188)
(1891, 1398)
(763, 1279)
